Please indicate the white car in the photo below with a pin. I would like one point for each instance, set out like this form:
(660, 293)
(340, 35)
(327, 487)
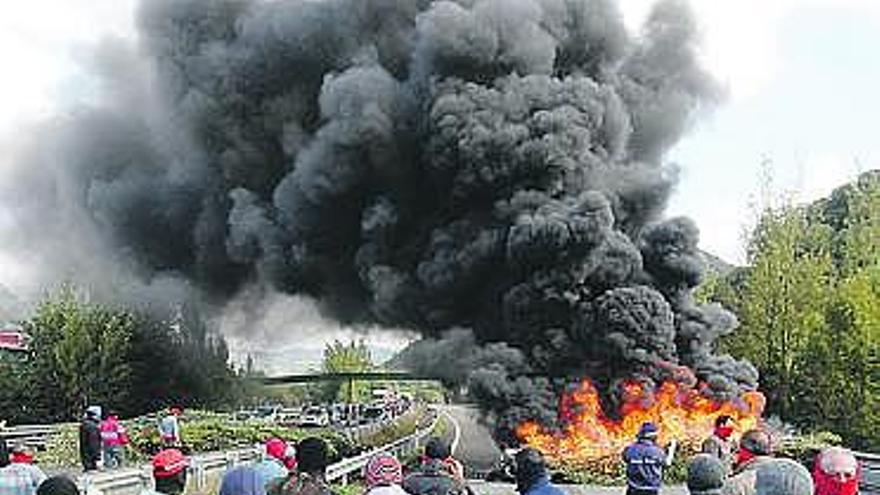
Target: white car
(314, 416)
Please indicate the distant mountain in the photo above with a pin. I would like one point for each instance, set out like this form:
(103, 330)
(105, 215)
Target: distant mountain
(716, 265)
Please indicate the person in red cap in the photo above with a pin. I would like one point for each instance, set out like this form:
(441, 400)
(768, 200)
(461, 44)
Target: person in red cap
(273, 469)
(21, 454)
(169, 471)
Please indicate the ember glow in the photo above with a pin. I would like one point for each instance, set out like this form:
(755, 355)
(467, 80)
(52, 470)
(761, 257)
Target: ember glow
(681, 413)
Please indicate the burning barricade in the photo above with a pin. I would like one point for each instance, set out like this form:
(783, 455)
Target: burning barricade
(590, 442)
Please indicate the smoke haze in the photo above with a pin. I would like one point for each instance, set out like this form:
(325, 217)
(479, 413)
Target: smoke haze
(491, 166)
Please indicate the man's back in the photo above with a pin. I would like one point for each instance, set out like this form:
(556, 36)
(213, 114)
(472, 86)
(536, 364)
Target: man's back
(301, 484)
(644, 465)
(743, 481)
(20, 479)
(89, 439)
(432, 479)
(720, 448)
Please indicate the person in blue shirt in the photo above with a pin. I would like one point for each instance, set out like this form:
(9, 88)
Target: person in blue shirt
(645, 462)
(531, 474)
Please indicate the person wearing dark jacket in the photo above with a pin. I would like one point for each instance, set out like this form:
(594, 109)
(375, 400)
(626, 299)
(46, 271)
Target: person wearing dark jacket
(310, 477)
(531, 474)
(439, 473)
(645, 462)
(90, 439)
(58, 485)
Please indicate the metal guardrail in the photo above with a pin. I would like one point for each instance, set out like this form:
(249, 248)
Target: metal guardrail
(342, 470)
(870, 484)
(132, 481)
(31, 435)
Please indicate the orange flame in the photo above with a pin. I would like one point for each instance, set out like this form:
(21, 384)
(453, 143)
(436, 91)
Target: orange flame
(680, 412)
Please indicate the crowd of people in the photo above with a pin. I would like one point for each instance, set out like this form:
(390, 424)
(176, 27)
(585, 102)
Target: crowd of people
(746, 467)
(724, 467)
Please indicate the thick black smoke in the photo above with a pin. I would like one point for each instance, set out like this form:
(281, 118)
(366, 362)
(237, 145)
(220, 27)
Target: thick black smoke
(495, 165)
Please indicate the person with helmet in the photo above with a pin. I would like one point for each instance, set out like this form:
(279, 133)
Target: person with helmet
(755, 450)
(113, 441)
(169, 472)
(90, 439)
(645, 462)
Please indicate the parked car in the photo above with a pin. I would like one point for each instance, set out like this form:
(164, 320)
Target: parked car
(314, 416)
(372, 414)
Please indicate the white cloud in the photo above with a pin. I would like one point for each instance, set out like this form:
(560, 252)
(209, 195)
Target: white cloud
(741, 38)
(40, 43)
(287, 333)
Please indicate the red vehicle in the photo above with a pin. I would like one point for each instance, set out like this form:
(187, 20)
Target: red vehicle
(13, 338)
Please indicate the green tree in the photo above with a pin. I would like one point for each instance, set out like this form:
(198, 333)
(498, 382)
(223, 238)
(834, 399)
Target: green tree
(783, 301)
(79, 356)
(82, 352)
(350, 357)
(809, 303)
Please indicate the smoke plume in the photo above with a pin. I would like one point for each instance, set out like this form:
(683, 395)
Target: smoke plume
(489, 165)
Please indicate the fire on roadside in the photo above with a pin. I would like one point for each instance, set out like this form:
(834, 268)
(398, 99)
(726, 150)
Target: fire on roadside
(681, 413)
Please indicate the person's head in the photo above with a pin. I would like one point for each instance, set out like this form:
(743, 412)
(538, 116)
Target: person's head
(175, 411)
(437, 449)
(724, 426)
(290, 458)
(169, 471)
(21, 453)
(111, 414)
(648, 431)
(58, 485)
(783, 477)
(705, 475)
(530, 467)
(383, 470)
(276, 448)
(243, 480)
(93, 412)
(753, 443)
(4, 454)
(836, 472)
(311, 455)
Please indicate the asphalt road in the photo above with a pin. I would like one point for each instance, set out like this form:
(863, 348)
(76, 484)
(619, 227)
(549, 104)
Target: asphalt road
(475, 447)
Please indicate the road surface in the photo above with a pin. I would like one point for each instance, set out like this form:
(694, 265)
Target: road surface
(471, 441)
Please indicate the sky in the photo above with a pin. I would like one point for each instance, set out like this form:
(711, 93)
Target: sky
(801, 76)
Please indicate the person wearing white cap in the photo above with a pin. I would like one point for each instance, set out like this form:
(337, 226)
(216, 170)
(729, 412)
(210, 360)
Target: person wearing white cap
(90, 439)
